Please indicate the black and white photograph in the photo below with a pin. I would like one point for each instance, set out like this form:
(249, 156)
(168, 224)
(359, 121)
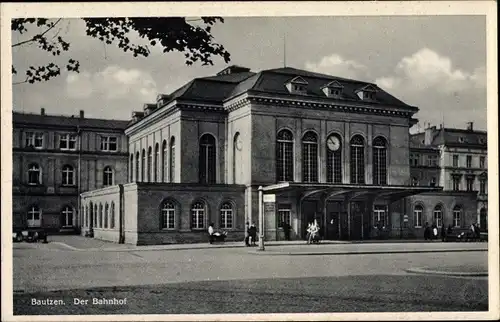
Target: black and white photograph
(249, 161)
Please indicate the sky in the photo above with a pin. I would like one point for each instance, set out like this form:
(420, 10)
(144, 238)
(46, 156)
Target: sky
(437, 63)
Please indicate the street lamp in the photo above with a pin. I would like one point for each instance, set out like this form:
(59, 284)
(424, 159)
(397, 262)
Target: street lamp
(261, 220)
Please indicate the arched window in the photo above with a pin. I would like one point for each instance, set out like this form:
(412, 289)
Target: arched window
(150, 161)
(143, 166)
(198, 216)
(164, 170)
(68, 175)
(226, 216)
(96, 222)
(168, 215)
(172, 160)
(101, 217)
(157, 162)
(34, 217)
(237, 147)
(112, 215)
(207, 159)
(334, 159)
(357, 159)
(34, 174)
(108, 176)
(457, 216)
(284, 156)
(131, 168)
(106, 215)
(438, 215)
(379, 161)
(137, 166)
(310, 157)
(67, 217)
(417, 216)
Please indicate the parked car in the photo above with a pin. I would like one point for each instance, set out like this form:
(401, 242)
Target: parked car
(29, 234)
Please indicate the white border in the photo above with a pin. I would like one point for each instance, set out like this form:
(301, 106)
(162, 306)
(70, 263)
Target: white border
(358, 8)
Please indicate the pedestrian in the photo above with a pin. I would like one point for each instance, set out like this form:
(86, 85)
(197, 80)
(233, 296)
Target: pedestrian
(247, 234)
(211, 233)
(443, 233)
(427, 231)
(286, 230)
(450, 230)
(253, 233)
(308, 235)
(434, 231)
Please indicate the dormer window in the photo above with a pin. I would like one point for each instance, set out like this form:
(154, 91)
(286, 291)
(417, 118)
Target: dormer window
(461, 139)
(297, 86)
(367, 93)
(333, 89)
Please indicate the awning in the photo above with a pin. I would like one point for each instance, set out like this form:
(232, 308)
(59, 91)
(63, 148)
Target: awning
(329, 190)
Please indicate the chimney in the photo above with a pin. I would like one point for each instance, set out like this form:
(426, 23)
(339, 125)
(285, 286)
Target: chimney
(82, 114)
(429, 134)
(42, 111)
(470, 126)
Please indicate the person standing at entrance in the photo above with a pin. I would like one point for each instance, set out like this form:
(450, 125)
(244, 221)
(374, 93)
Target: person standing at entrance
(286, 230)
(211, 233)
(247, 234)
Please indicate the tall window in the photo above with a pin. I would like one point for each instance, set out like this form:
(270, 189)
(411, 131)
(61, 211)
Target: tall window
(172, 160)
(198, 216)
(333, 159)
(284, 156)
(150, 161)
(112, 215)
(414, 159)
(137, 166)
(34, 174)
(108, 176)
(143, 165)
(284, 215)
(168, 215)
(357, 160)
(101, 217)
(457, 214)
(131, 168)
(237, 146)
(34, 139)
(96, 222)
(67, 142)
(456, 182)
(379, 161)
(226, 216)
(165, 161)
(455, 160)
(432, 160)
(106, 215)
(87, 223)
(482, 186)
(438, 215)
(310, 157)
(417, 216)
(157, 161)
(207, 159)
(67, 217)
(34, 216)
(379, 212)
(469, 161)
(482, 162)
(470, 183)
(68, 175)
(109, 143)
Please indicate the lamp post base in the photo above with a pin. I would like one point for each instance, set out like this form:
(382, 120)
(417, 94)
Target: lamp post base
(261, 243)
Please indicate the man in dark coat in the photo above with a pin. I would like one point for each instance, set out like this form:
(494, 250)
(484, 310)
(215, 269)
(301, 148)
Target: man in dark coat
(247, 234)
(427, 231)
(253, 233)
(443, 233)
(286, 230)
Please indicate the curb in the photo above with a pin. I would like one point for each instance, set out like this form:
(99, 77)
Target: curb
(273, 253)
(437, 272)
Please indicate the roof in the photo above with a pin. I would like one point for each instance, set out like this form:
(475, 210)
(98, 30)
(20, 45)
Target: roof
(449, 136)
(66, 121)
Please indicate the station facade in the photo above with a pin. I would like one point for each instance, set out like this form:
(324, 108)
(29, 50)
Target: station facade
(330, 149)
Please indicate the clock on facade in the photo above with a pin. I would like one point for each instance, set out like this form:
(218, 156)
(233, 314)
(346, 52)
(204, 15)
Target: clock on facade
(333, 143)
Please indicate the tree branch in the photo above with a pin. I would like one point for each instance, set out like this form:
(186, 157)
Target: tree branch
(41, 35)
(19, 83)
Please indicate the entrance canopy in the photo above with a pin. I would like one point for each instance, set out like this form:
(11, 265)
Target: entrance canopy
(329, 190)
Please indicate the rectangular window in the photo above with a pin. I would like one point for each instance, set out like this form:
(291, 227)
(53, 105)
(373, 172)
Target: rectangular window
(379, 218)
(432, 160)
(34, 140)
(482, 162)
(284, 215)
(469, 161)
(456, 183)
(67, 142)
(418, 217)
(482, 187)
(109, 143)
(470, 184)
(455, 160)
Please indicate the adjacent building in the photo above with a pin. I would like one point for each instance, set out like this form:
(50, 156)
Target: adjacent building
(55, 158)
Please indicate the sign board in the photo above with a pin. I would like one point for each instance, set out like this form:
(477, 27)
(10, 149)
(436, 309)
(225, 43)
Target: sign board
(269, 198)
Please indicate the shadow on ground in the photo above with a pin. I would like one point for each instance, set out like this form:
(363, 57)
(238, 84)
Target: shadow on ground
(375, 293)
